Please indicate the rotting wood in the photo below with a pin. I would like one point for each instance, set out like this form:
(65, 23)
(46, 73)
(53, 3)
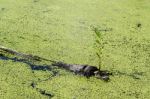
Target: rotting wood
(85, 70)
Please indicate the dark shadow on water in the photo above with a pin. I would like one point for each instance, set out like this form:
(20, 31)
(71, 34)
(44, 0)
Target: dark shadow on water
(31, 64)
(135, 75)
(33, 67)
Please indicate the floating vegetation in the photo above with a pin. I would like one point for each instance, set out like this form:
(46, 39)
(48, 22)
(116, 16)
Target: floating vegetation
(60, 30)
(41, 91)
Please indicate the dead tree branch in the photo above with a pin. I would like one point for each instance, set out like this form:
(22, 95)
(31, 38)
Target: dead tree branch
(85, 70)
(27, 56)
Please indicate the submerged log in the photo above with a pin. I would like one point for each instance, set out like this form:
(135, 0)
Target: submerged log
(85, 70)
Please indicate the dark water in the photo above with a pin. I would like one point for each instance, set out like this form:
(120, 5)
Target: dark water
(31, 64)
(41, 91)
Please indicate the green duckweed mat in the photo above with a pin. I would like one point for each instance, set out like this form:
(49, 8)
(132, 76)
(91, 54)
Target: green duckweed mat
(62, 30)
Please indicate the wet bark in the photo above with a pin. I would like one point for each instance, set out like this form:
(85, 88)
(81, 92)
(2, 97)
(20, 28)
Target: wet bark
(85, 70)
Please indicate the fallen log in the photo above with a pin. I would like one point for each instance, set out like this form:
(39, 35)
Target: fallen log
(85, 70)
(26, 56)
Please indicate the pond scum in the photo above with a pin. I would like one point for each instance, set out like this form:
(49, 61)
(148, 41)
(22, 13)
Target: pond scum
(61, 30)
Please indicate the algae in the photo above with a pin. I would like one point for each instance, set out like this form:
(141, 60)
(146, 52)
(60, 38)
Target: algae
(61, 30)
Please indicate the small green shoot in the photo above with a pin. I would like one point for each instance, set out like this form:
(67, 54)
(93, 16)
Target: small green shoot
(98, 45)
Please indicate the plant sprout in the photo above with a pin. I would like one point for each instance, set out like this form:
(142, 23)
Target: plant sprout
(99, 46)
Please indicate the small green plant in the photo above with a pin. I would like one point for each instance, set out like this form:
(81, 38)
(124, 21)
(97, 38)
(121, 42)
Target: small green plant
(99, 46)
